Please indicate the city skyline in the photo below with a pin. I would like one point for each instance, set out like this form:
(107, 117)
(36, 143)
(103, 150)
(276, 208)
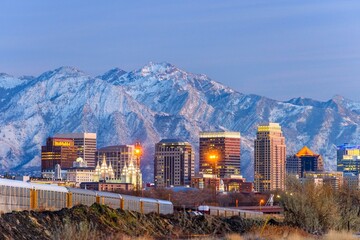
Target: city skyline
(251, 47)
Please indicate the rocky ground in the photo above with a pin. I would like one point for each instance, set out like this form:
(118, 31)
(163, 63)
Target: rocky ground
(101, 222)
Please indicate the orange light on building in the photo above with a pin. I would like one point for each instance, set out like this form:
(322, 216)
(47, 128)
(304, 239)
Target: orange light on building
(213, 157)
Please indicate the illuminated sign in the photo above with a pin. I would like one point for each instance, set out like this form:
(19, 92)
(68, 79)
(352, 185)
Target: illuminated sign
(61, 144)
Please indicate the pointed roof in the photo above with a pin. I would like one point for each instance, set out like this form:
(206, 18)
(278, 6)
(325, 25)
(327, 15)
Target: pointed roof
(305, 151)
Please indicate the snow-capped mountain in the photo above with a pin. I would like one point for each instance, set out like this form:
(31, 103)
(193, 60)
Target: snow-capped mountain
(154, 102)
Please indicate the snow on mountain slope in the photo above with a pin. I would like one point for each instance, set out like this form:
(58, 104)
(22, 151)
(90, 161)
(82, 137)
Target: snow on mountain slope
(160, 101)
(8, 82)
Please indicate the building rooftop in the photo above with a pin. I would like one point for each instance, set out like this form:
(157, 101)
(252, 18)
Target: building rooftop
(172, 141)
(305, 151)
(269, 127)
(347, 146)
(220, 134)
(114, 148)
(77, 135)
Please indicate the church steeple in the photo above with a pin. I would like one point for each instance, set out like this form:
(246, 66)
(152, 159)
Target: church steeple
(104, 171)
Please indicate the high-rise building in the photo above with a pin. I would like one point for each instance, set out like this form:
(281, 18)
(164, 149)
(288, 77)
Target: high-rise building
(269, 158)
(118, 156)
(348, 158)
(304, 161)
(219, 153)
(57, 151)
(174, 163)
(85, 143)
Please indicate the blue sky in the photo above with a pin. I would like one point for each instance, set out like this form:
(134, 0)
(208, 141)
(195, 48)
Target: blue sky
(279, 49)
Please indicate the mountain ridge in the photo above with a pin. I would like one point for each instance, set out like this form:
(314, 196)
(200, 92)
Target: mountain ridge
(160, 101)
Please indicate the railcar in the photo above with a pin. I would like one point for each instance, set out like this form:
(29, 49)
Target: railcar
(112, 200)
(148, 205)
(78, 196)
(165, 207)
(228, 212)
(18, 196)
(14, 195)
(49, 197)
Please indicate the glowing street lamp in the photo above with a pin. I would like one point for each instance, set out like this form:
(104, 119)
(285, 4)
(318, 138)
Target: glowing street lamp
(138, 153)
(262, 201)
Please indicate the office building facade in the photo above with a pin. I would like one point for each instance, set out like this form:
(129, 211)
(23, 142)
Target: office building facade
(57, 151)
(219, 153)
(348, 158)
(269, 158)
(86, 145)
(304, 161)
(174, 163)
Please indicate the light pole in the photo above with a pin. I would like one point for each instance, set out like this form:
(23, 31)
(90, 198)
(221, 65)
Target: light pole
(138, 153)
(261, 202)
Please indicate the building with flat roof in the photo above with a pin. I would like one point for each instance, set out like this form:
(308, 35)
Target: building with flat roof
(352, 181)
(107, 186)
(232, 183)
(304, 161)
(333, 179)
(80, 172)
(269, 158)
(174, 163)
(219, 153)
(348, 158)
(57, 151)
(85, 144)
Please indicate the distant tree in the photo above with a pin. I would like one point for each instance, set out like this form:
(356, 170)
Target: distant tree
(310, 207)
(348, 202)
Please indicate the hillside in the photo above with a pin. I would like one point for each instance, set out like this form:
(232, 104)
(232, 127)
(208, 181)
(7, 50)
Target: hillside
(101, 222)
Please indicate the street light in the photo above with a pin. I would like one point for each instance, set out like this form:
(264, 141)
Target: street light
(262, 201)
(138, 153)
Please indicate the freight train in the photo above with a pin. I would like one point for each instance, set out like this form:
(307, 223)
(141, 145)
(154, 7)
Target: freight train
(228, 212)
(18, 196)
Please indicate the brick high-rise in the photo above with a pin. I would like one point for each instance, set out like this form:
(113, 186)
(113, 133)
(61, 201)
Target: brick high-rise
(58, 151)
(85, 143)
(219, 153)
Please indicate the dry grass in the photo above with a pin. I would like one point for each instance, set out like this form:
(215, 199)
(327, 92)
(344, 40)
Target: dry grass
(85, 231)
(272, 233)
(276, 233)
(333, 235)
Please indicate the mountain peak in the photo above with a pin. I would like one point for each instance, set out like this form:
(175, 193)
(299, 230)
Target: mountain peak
(157, 68)
(112, 75)
(5, 75)
(62, 72)
(68, 70)
(338, 98)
